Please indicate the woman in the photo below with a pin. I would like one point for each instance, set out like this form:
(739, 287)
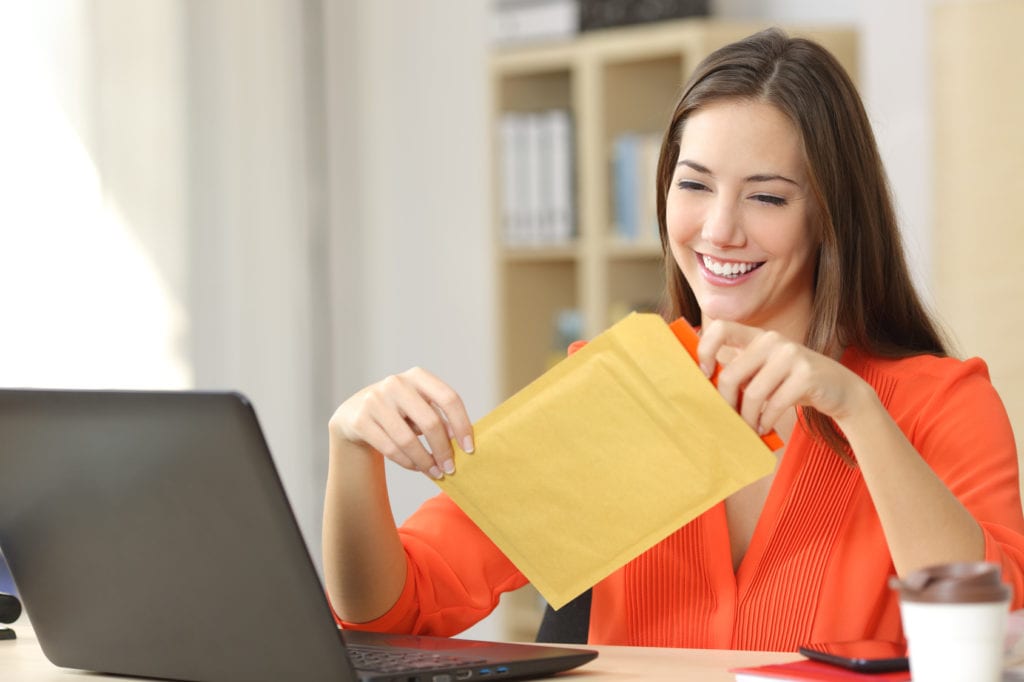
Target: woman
(780, 241)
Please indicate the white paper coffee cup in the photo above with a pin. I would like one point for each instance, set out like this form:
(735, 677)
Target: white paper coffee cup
(955, 642)
(954, 619)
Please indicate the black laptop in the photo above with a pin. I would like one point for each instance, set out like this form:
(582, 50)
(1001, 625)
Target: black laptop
(149, 535)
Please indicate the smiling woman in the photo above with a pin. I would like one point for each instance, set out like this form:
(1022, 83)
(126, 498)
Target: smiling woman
(739, 217)
(780, 241)
(809, 127)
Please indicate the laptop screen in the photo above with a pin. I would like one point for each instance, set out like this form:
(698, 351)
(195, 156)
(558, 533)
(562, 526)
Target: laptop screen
(148, 534)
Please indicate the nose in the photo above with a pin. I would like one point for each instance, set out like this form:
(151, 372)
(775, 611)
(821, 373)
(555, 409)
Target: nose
(722, 225)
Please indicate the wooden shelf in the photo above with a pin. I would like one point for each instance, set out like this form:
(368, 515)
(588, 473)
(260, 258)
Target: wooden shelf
(623, 250)
(527, 254)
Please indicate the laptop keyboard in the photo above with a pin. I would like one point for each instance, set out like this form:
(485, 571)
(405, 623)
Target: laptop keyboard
(397, 660)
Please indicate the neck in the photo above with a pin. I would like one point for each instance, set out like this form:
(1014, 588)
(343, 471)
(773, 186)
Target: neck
(793, 326)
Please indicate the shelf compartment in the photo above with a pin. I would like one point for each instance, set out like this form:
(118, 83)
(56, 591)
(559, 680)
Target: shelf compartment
(540, 254)
(639, 95)
(534, 292)
(619, 249)
(635, 285)
(535, 91)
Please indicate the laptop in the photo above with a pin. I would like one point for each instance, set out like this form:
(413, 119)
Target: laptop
(148, 534)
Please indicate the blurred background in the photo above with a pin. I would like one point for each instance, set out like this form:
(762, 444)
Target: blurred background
(295, 198)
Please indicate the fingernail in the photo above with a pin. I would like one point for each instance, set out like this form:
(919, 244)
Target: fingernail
(467, 444)
(761, 430)
(707, 370)
(435, 473)
(448, 466)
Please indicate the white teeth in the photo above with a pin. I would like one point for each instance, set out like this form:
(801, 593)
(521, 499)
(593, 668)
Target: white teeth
(728, 269)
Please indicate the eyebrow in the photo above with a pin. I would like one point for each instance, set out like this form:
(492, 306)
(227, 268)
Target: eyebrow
(758, 177)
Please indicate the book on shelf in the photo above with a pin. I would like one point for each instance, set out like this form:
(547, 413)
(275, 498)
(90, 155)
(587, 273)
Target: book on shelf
(523, 21)
(537, 178)
(634, 168)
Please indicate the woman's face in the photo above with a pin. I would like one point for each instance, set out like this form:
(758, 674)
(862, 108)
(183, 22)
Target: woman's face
(739, 215)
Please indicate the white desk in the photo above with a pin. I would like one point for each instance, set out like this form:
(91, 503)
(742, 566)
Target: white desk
(21, 660)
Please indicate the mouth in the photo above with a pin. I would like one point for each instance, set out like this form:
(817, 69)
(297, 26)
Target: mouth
(728, 269)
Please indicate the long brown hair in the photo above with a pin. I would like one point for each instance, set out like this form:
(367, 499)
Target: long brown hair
(863, 293)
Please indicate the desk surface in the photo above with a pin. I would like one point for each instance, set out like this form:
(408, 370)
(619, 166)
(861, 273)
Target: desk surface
(21, 660)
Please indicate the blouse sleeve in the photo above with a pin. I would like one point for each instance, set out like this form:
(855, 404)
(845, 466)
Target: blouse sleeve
(963, 432)
(454, 574)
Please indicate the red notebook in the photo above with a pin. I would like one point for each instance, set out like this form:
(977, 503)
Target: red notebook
(689, 338)
(813, 670)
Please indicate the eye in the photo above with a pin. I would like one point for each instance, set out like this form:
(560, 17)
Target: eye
(769, 199)
(692, 185)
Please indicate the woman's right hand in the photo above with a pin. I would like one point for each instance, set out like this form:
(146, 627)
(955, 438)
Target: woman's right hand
(390, 416)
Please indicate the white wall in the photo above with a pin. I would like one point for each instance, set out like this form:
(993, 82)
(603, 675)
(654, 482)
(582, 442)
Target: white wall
(410, 193)
(92, 195)
(253, 266)
(421, 106)
(339, 213)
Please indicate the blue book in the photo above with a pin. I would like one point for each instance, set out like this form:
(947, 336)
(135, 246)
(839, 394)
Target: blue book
(625, 186)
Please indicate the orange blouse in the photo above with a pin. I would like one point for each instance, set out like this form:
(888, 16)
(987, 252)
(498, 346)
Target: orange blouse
(817, 566)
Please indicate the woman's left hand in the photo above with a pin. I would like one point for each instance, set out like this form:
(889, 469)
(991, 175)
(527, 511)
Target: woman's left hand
(764, 374)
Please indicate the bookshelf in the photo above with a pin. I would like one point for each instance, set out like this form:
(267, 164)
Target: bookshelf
(612, 82)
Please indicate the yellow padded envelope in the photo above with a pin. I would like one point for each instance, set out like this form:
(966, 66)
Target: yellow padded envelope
(602, 457)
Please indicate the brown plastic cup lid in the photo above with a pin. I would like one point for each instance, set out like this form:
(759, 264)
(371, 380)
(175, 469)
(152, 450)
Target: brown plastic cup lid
(958, 583)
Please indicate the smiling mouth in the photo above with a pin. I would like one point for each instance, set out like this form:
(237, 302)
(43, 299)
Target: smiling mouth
(729, 269)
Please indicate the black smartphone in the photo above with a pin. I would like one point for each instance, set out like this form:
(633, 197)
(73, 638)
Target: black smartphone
(864, 655)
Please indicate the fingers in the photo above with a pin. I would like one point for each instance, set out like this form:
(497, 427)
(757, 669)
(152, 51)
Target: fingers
(728, 343)
(769, 384)
(718, 338)
(403, 415)
(449, 405)
(764, 374)
(379, 440)
(409, 418)
(789, 393)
